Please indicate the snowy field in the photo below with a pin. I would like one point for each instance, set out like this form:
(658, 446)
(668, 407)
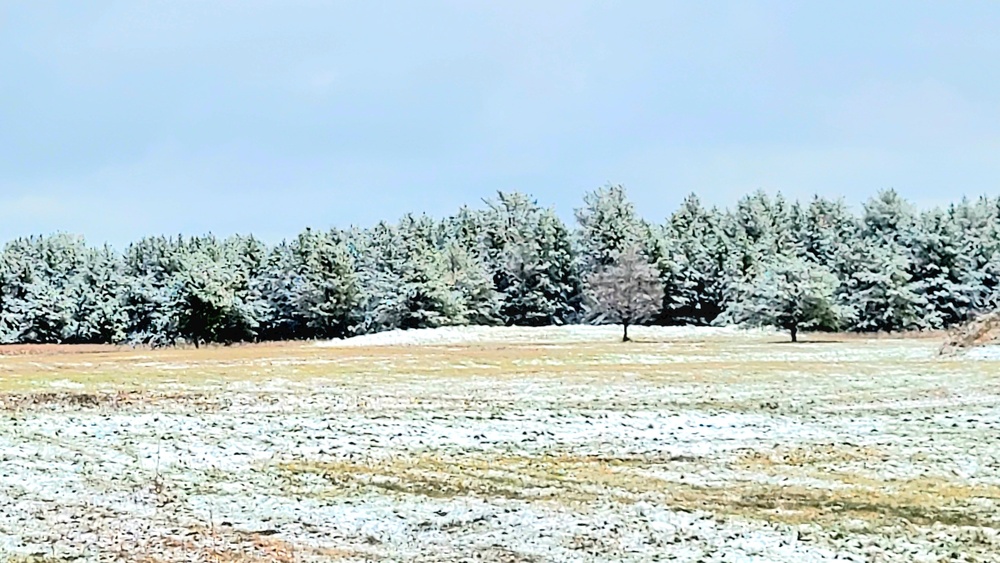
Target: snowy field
(554, 444)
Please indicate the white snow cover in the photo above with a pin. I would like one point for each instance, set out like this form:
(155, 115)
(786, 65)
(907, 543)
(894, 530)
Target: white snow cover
(990, 352)
(79, 480)
(534, 335)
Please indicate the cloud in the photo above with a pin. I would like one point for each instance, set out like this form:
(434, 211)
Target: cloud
(156, 117)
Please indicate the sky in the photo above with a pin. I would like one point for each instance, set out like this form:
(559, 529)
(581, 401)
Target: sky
(132, 118)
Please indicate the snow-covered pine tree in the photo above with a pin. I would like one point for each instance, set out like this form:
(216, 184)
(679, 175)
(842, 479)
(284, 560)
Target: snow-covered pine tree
(759, 229)
(940, 270)
(150, 266)
(205, 301)
(247, 257)
(824, 231)
(466, 268)
(322, 292)
(531, 259)
(99, 314)
(693, 261)
(887, 216)
(607, 225)
(423, 273)
(791, 294)
(977, 228)
(477, 302)
(15, 273)
(404, 278)
(277, 290)
(41, 306)
(879, 289)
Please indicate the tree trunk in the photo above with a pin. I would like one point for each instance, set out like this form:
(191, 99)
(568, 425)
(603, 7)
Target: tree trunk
(795, 333)
(625, 337)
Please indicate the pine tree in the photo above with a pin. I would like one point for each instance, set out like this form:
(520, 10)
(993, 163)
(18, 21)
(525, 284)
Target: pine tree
(531, 259)
(940, 270)
(759, 229)
(607, 226)
(477, 302)
(203, 300)
(824, 231)
(41, 306)
(694, 266)
(150, 266)
(277, 290)
(209, 291)
(99, 314)
(405, 278)
(790, 294)
(976, 229)
(887, 217)
(323, 293)
(879, 289)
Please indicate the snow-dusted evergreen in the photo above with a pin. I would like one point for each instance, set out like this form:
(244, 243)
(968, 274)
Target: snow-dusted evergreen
(879, 289)
(693, 256)
(797, 265)
(531, 258)
(607, 226)
(792, 294)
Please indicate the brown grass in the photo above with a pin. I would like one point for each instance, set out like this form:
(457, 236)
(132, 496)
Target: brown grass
(212, 546)
(131, 369)
(574, 479)
(825, 484)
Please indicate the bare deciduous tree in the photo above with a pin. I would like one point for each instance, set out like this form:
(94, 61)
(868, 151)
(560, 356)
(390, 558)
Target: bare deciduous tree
(627, 292)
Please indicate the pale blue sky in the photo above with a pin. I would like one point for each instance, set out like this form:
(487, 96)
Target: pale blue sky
(119, 119)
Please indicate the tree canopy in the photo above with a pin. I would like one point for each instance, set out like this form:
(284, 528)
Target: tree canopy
(889, 266)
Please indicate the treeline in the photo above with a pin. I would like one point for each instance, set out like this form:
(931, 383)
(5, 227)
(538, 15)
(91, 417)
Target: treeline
(510, 262)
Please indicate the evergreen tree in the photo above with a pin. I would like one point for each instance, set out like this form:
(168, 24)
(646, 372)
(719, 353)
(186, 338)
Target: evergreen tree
(940, 270)
(278, 289)
(790, 294)
(607, 226)
(825, 229)
(880, 290)
(150, 267)
(694, 265)
(976, 228)
(477, 302)
(43, 286)
(405, 278)
(322, 294)
(887, 217)
(99, 314)
(204, 301)
(531, 259)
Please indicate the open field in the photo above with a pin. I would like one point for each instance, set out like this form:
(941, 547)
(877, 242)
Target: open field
(504, 445)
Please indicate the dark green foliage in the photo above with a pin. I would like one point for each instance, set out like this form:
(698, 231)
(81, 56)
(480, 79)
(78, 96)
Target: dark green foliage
(513, 262)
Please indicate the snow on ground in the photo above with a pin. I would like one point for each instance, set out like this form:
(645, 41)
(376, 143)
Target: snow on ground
(696, 445)
(533, 335)
(989, 352)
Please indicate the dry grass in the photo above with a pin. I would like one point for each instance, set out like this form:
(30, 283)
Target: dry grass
(139, 369)
(580, 479)
(832, 483)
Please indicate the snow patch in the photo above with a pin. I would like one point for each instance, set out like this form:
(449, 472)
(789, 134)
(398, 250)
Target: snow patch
(990, 353)
(533, 335)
